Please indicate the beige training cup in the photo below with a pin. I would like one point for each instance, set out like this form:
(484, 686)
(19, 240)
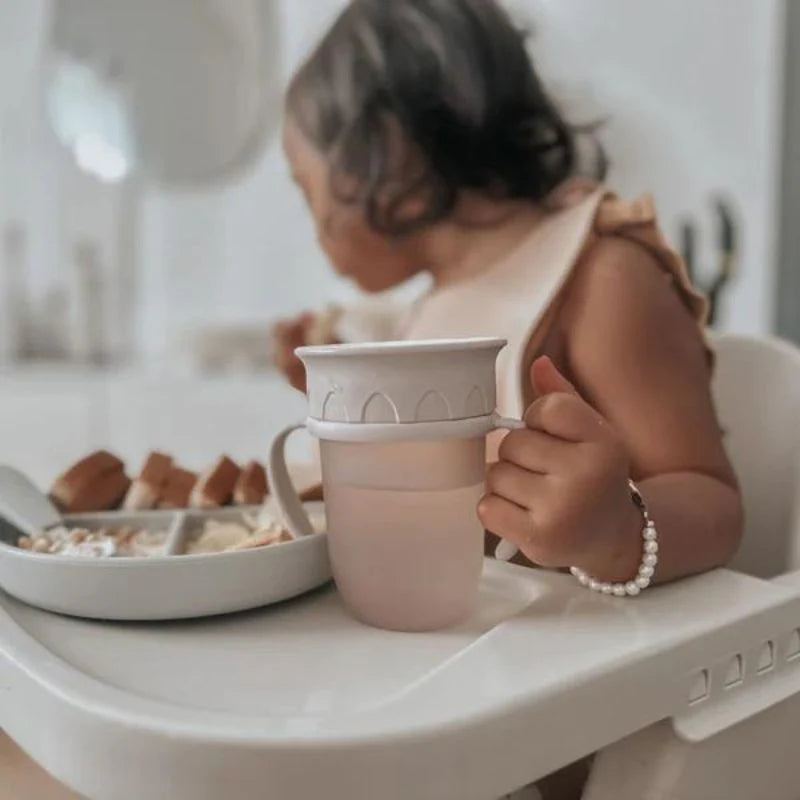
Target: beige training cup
(402, 429)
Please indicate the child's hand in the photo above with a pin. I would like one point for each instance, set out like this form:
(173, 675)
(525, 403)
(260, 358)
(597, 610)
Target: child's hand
(287, 336)
(560, 489)
(306, 329)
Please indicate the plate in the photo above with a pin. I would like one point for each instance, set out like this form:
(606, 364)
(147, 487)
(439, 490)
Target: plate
(166, 586)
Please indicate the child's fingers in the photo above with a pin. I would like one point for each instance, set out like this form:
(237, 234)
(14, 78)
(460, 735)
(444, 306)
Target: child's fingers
(288, 335)
(506, 519)
(296, 331)
(296, 375)
(534, 450)
(560, 409)
(305, 321)
(564, 416)
(547, 379)
(285, 358)
(513, 483)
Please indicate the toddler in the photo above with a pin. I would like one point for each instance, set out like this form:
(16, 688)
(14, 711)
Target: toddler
(423, 140)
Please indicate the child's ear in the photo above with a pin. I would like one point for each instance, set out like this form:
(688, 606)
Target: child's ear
(546, 379)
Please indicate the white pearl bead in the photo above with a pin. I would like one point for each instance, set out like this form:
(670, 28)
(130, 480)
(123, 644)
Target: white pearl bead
(650, 549)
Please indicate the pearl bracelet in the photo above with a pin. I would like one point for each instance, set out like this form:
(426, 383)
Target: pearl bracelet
(648, 563)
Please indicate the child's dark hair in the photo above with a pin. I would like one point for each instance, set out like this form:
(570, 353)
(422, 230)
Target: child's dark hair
(455, 78)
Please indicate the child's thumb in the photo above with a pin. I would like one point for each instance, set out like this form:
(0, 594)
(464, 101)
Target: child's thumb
(546, 378)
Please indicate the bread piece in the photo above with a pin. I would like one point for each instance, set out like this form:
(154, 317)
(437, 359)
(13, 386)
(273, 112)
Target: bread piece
(311, 493)
(262, 539)
(215, 487)
(251, 486)
(141, 497)
(156, 468)
(78, 479)
(177, 488)
(145, 491)
(104, 493)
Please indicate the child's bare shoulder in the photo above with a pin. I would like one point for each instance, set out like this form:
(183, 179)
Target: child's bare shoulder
(622, 308)
(619, 270)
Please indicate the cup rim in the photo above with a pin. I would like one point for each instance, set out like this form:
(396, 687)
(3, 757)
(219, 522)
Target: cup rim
(411, 346)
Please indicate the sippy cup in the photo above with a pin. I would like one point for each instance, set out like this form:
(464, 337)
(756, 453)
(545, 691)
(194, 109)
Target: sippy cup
(402, 431)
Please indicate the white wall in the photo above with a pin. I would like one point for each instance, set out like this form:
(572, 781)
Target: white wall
(693, 92)
(27, 165)
(41, 189)
(245, 251)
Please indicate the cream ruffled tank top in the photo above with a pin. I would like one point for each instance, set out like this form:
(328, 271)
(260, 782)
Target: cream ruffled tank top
(518, 297)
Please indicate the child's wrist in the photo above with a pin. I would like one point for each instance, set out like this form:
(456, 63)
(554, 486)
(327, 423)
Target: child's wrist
(619, 557)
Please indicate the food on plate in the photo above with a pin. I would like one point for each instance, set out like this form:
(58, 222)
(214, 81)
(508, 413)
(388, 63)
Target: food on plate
(146, 489)
(215, 486)
(261, 529)
(95, 483)
(100, 543)
(251, 485)
(99, 482)
(311, 493)
(177, 488)
(141, 542)
(243, 531)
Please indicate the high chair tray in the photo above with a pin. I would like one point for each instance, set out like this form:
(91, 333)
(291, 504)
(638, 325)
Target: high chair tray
(299, 701)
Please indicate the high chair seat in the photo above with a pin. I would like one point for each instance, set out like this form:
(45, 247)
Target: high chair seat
(757, 394)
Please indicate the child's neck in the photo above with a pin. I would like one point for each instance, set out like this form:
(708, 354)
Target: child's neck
(476, 239)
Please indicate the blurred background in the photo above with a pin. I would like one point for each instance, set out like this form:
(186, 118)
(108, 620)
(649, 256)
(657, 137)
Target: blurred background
(150, 234)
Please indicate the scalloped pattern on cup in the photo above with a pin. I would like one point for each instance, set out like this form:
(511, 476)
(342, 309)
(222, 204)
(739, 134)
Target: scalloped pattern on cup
(477, 405)
(379, 408)
(334, 409)
(432, 407)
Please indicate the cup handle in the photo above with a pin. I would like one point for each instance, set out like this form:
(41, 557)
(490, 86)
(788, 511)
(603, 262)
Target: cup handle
(507, 423)
(289, 503)
(506, 550)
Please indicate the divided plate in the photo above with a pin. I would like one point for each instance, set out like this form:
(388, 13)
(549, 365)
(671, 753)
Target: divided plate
(167, 586)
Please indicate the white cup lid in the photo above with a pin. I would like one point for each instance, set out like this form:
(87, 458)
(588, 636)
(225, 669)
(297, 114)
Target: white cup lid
(402, 382)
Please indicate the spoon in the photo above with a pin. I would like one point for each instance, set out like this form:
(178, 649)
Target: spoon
(23, 505)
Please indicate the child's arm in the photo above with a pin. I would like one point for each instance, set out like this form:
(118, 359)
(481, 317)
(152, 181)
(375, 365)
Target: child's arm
(640, 406)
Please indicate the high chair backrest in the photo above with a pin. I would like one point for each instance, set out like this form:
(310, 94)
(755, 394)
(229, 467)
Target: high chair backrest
(757, 392)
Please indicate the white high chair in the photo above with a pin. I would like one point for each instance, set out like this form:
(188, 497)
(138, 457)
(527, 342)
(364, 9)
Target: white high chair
(689, 692)
(757, 392)
(742, 754)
